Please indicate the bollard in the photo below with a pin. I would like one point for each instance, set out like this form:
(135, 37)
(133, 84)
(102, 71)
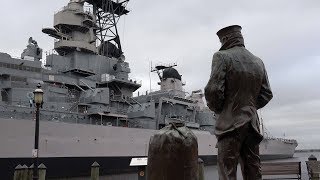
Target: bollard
(312, 158)
(141, 172)
(30, 172)
(24, 173)
(141, 164)
(95, 171)
(313, 166)
(42, 171)
(17, 172)
(201, 169)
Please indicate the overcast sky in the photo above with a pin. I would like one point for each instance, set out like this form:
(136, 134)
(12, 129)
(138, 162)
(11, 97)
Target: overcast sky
(284, 34)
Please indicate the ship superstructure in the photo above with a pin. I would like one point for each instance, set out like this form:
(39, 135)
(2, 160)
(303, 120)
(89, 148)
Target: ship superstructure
(87, 96)
(170, 104)
(82, 82)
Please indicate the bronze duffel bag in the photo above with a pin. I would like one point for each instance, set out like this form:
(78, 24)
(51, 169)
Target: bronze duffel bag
(173, 154)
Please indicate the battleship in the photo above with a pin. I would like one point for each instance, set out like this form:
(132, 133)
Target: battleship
(89, 112)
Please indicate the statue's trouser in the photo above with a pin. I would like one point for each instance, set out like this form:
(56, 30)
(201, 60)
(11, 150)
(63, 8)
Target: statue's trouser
(239, 146)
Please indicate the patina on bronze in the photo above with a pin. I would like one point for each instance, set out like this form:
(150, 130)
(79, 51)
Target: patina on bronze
(173, 154)
(237, 87)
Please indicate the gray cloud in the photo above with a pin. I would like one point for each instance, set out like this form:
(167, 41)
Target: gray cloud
(283, 33)
(299, 121)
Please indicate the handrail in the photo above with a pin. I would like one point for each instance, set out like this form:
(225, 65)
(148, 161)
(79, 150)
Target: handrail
(78, 86)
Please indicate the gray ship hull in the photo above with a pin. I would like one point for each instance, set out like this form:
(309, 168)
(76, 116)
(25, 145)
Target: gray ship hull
(70, 148)
(59, 139)
(275, 148)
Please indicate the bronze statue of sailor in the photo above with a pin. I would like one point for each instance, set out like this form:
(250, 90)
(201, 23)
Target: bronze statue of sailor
(237, 88)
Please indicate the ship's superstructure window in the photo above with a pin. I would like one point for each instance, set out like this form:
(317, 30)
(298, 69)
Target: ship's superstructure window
(4, 95)
(17, 78)
(20, 67)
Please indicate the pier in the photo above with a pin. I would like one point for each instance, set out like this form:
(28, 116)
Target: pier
(210, 172)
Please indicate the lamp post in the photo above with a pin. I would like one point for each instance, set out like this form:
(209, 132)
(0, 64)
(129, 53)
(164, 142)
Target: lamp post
(38, 101)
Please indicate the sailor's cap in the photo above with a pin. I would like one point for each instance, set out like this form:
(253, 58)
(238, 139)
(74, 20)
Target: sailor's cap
(228, 30)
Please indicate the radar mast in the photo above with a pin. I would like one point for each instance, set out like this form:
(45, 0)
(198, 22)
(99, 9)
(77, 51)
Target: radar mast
(160, 68)
(108, 14)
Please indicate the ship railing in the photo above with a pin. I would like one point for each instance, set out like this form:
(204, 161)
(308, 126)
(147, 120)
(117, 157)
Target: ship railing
(293, 141)
(15, 57)
(134, 80)
(108, 77)
(87, 8)
(157, 92)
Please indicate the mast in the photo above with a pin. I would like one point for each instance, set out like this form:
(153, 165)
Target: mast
(262, 126)
(107, 14)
